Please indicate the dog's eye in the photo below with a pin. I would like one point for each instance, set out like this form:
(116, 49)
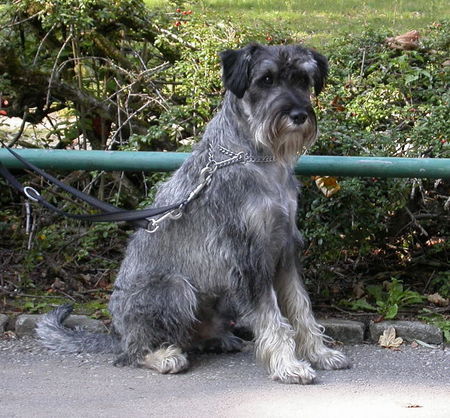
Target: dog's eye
(267, 80)
(301, 79)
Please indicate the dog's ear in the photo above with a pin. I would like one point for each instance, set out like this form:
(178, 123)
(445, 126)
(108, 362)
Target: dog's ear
(320, 73)
(236, 68)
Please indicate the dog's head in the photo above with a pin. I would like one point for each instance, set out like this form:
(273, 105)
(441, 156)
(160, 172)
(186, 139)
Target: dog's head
(272, 87)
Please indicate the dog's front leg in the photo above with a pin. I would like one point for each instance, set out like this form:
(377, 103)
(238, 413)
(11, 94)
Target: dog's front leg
(308, 334)
(275, 345)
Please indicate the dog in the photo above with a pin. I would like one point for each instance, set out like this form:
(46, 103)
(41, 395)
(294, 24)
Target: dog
(232, 251)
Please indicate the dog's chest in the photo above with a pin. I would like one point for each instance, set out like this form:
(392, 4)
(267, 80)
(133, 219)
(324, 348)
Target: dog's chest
(280, 188)
(271, 205)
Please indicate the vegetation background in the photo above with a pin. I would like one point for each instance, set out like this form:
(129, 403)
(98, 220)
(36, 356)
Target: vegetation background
(135, 75)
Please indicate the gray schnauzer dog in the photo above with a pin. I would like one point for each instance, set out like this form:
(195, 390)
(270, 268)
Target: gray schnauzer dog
(232, 251)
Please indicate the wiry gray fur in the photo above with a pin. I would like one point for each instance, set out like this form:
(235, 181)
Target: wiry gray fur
(234, 253)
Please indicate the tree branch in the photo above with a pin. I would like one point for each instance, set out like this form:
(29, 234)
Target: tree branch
(31, 87)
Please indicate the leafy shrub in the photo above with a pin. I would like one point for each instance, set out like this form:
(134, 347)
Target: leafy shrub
(438, 320)
(193, 86)
(380, 102)
(386, 302)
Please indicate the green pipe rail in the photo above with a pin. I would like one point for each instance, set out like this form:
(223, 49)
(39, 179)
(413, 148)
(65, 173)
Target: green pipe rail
(170, 161)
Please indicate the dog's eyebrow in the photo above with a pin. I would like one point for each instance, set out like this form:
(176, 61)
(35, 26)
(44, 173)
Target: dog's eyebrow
(265, 66)
(310, 66)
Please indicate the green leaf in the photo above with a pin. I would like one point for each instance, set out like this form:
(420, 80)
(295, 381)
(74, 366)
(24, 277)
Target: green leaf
(361, 304)
(409, 78)
(391, 312)
(447, 335)
(375, 291)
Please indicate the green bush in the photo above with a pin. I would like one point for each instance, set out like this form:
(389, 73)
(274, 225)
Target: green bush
(380, 102)
(387, 300)
(192, 86)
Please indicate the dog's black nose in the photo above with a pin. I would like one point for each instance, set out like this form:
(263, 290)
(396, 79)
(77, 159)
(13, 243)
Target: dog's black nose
(298, 116)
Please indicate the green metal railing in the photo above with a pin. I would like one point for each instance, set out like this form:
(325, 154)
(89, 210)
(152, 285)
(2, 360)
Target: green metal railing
(169, 161)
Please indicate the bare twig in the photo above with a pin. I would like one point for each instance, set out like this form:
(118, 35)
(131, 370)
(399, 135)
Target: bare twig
(415, 222)
(55, 131)
(361, 71)
(129, 118)
(138, 78)
(31, 232)
(447, 204)
(174, 37)
(28, 224)
(42, 43)
(20, 131)
(54, 72)
(428, 281)
(10, 25)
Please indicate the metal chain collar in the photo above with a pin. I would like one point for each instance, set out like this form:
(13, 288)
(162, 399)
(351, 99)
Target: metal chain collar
(206, 175)
(243, 157)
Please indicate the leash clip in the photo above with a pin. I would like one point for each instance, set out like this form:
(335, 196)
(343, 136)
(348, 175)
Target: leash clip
(153, 224)
(28, 191)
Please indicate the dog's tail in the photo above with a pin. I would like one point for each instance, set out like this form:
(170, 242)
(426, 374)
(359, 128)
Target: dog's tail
(55, 336)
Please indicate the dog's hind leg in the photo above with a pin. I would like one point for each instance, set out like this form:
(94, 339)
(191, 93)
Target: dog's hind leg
(295, 304)
(158, 315)
(275, 345)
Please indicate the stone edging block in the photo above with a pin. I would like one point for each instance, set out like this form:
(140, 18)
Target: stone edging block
(342, 330)
(408, 330)
(3, 322)
(26, 324)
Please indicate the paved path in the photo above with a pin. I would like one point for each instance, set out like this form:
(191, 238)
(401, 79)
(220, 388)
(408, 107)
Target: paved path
(414, 382)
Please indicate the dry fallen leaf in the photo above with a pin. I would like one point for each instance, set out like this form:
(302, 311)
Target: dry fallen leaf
(327, 185)
(406, 41)
(389, 340)
(337, 104)
(437, 299)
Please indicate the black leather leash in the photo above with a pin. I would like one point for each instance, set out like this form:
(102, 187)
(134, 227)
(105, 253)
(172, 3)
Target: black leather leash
(141, 218)
(110, 213)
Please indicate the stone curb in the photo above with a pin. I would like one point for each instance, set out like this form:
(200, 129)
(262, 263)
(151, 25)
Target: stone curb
(344, 330)
(341, 330)
(408, 330)
(355, 332)
(3, 322)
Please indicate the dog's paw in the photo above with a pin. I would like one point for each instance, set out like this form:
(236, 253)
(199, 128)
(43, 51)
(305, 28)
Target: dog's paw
(231, 344)
(224, 344)
(166, 360)
(123, 360)
(299, 372)
(331, 360)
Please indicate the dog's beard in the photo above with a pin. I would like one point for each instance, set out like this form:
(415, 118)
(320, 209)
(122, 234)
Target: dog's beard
(286, 140)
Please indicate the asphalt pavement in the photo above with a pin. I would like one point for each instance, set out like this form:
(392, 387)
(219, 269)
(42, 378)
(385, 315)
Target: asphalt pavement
(412, 382)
